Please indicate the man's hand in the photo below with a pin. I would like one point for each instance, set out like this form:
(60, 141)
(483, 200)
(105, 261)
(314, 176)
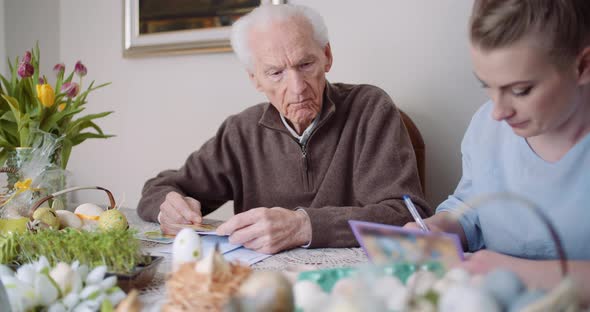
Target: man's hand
(268, 230)
(177, 209)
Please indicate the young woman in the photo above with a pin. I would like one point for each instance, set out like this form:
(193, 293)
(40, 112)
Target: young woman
(531, 139)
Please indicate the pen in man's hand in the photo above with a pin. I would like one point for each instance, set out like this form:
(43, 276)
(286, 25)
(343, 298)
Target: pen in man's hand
(415, 213)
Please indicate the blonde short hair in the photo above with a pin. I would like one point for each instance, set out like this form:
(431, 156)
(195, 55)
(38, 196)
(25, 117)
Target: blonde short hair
(560, 26)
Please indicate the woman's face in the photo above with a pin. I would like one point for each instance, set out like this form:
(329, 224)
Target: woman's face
(530, 92)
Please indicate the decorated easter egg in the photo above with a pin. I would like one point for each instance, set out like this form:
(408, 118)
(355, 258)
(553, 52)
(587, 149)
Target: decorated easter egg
(47, 217)
(112, 219)
(185, 248)
(89, 214)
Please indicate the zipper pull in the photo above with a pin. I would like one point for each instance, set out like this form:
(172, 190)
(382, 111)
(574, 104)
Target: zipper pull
(304, 156)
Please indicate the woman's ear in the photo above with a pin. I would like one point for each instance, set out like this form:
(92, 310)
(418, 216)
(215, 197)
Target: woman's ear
(583, 66)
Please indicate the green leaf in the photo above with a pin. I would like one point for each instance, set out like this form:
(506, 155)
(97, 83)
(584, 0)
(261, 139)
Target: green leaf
(14, 107)
(3, 156)
(4, 143)
(74, 127)
(14, 76)
(66, 150)
(81, 137)
(9, 116)
(9, 64)
(52, 121)
(10, 128)
(7, 85)
(24, 136)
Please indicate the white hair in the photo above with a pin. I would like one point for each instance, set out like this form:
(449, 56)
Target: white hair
(264, 15)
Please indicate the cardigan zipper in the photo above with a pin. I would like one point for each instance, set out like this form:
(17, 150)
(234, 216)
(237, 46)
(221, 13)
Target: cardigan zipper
(305, 160)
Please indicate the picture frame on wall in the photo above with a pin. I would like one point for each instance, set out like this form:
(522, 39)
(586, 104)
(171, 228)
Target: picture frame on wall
(182, 26)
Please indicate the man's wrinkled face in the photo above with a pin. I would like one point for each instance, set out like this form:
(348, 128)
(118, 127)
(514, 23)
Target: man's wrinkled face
(289, 66)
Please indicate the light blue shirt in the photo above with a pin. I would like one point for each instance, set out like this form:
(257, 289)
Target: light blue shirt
(497, 160)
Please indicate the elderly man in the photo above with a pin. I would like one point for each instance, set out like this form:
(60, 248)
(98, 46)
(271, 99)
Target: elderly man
(303, 164)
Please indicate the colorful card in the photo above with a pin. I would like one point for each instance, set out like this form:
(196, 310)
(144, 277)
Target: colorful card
(208, 226)
(156, 236)
(388, 243)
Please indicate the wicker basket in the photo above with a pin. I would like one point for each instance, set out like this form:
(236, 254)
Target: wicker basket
(562, 297)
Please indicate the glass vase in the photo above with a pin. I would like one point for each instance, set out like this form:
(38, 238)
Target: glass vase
(54, 178)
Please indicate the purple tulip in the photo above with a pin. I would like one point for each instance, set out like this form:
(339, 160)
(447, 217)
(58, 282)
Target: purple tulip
(41, 81)
(27, 57)
(25, 70)
(59, 69)
(71, 89)
(80, 69)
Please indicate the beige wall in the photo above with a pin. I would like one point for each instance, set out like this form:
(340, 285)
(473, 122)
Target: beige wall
(31, 21)
(167, 106)
(3, 67)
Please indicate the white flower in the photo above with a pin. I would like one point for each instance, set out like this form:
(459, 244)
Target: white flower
(108, 283)
(26, 273)
(21, 294)
(90, 292)
(41, 264)
(96, 275)
(45, 291)
(63, 288)
(71, 300)
(57, 307)
(82, 271)
(116, 296)
(64, 276)
(5, 271)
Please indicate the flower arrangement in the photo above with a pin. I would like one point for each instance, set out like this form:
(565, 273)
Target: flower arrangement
(30, 105)
(38, 286)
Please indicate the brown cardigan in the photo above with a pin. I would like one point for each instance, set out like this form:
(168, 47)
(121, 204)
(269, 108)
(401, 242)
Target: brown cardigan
(357, 165)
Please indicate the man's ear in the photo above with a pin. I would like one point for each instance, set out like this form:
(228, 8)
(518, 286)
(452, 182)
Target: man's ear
(254, 81)
(583, 66)
(329, 58)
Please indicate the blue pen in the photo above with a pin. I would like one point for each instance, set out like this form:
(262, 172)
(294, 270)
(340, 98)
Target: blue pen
(415, 213)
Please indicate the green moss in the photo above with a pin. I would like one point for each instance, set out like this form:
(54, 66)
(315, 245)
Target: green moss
(8, 248)
(117, 249)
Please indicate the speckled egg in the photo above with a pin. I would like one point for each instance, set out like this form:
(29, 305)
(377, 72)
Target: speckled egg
(186, 248)
(112, 219)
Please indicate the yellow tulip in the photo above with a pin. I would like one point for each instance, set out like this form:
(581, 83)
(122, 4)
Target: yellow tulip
(45, 94)
(61, 107)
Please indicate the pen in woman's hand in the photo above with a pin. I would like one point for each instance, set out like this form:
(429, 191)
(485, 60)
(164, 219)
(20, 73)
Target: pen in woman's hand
(415, 214)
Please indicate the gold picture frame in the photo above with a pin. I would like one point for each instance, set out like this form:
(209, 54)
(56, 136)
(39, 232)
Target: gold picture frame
(181, 26)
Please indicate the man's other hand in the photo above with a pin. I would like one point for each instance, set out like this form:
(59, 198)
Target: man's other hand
(178, 209)
(268, 230)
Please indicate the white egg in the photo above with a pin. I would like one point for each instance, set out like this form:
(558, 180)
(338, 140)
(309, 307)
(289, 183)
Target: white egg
(68, 219)
(398, 300)
(89, 209)
(421, 282)
(309, 296)
(345, 287)
(462, 298)
(186, 248)
(89, 214)
(386, 286)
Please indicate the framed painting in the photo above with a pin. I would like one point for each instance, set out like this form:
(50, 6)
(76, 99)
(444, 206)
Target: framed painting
(182, 26)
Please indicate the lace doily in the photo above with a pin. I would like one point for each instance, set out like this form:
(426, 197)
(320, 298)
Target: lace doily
(154, 295)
